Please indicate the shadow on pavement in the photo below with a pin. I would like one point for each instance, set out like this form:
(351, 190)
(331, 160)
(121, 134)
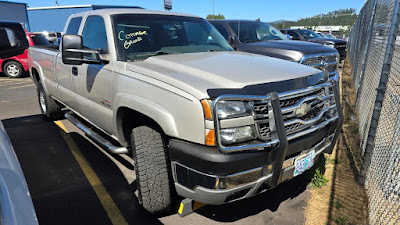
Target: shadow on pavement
(60, 191)
(62, 194)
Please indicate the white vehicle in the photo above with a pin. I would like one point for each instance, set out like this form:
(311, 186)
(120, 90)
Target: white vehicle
(201, 120)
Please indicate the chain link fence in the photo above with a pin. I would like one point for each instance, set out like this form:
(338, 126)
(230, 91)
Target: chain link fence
(374, 54)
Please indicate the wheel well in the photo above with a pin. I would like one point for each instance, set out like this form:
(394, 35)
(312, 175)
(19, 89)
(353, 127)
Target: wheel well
(127, 119)
(35, 76)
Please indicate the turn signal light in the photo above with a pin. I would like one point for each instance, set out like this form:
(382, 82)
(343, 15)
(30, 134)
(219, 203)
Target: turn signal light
(210, 137)
(206, 109)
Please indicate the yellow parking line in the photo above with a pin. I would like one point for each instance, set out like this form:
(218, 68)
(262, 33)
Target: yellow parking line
(19, 87)
(108, 203)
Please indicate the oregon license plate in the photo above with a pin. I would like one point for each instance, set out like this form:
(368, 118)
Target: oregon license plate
(304, 163)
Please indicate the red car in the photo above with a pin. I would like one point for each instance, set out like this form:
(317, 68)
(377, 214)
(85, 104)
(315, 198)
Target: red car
(17, 66)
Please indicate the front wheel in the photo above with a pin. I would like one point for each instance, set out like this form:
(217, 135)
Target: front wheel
(153, 179)
(13, 69)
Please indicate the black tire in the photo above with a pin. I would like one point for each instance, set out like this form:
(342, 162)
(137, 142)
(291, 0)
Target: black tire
(153, 178)
(13, 69)
(48, 106)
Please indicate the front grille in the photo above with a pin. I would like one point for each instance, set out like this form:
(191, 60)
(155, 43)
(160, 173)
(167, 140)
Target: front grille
(265, 131)
(261, 108)
(322, 62)
(300, 112)
(331, 68)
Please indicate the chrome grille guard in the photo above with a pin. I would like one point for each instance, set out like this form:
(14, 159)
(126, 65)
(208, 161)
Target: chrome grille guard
(276, 116)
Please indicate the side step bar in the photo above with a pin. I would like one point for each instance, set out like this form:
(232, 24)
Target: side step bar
(105, 144)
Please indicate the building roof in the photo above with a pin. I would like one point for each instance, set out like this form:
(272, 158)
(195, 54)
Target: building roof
(82, 6)
(13, 2)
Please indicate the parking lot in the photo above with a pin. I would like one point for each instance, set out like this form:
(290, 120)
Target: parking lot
(72, 181)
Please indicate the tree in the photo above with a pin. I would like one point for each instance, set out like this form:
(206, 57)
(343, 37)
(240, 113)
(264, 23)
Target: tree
(219, 16)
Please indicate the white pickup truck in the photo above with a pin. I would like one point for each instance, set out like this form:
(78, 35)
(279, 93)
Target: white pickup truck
(202, 121)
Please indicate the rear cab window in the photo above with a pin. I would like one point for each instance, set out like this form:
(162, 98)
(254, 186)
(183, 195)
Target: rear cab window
(73, 26)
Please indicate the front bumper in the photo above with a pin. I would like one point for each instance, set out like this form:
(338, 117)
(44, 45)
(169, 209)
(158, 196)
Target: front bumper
(235, 186)
(207, 175)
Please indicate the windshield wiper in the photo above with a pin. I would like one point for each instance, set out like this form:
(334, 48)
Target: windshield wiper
(150, 54)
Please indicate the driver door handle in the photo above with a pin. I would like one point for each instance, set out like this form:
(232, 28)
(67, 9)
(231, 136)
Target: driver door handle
(75, 71)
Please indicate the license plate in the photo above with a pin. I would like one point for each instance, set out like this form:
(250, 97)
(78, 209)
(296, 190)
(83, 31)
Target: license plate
(304, 163)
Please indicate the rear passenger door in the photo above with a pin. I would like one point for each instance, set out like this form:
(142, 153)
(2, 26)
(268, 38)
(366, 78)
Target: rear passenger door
(92, 83)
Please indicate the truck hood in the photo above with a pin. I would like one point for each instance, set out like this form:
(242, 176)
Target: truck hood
(195, 73)
(285, 49)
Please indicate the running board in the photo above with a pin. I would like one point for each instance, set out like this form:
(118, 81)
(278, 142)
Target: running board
(105, 144)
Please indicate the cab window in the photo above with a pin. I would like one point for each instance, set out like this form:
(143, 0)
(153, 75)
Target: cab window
(94, 34)
(73, 26)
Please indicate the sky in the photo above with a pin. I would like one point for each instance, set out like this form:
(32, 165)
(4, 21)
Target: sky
(266, 10)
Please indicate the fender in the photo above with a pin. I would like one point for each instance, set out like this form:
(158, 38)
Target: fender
(35, 65)
(156, 112)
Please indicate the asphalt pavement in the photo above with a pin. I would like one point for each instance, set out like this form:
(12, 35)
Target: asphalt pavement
(73, 181)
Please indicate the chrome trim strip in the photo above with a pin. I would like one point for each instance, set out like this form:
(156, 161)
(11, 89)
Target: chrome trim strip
(237, 122)
(317, 127)
(232, 178)
(294, 107)
(300, 92)
(308, 122)
(319, 65)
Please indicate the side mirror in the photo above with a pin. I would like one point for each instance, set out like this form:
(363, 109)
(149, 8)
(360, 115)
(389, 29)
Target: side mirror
(73, 52)
(289, 37)
(234, 41)
(70, 43)
(12, 39)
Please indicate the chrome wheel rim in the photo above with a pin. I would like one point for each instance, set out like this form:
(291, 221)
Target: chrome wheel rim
(42, 101)
(13, 70)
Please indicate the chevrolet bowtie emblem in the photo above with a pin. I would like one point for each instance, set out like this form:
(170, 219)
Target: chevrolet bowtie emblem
(303, 109)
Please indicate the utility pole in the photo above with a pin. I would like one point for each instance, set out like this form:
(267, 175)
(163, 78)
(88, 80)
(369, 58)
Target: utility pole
(213, 9)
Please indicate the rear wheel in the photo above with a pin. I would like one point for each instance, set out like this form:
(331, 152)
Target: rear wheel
(48, 106)
(13, 69)
(153, 178)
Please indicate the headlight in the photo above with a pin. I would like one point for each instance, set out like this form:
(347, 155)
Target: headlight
(227, 109)
(330, 45)
(236, 135)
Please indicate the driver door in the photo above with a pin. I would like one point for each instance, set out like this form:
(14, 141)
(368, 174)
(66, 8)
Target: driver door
(93, 82)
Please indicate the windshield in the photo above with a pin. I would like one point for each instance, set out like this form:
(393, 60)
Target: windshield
(322, 35)
(308, 34)
(142, 36)
(250, 31)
